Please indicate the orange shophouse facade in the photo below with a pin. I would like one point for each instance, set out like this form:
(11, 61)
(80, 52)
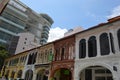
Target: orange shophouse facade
(62, 66)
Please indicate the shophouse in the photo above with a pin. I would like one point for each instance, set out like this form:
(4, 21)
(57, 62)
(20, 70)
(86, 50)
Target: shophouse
(43, 62)
(14, 66)
(98, 52)
(29, 67)
(62, 66)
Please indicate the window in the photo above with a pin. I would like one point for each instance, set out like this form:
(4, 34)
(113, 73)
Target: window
(50, 58)
(39, 76)
(103, 74)
(92, 47)
(57, 54)
(46, 55)
(23, 48)
(82, 48)
(104, 44)
(19, 75)
(24, 42)
(34, 58)
(42, 56)
(30, 59)
(25, 38)
(56, 51)
(5, 36)
(112, 42)
(118, 35)
(88, 74)
(62, 54)
(12, 74)
(29, 75)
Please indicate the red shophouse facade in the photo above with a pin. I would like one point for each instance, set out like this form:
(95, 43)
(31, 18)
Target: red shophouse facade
(62, 66)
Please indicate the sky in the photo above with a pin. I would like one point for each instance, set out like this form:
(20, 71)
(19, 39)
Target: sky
(68, 14)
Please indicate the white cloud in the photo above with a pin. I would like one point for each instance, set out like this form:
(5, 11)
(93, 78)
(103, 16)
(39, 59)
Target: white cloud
(56, 33)
(115, 12)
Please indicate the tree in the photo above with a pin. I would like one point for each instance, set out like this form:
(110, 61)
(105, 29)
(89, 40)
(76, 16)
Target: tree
(3, 55)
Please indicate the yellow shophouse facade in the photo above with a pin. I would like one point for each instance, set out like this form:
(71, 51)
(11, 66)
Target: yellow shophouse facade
(14, 66)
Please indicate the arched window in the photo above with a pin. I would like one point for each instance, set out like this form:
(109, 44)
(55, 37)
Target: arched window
(29, 75)
(104, 44)
(118, 35)
(82, 48)
(92, 47)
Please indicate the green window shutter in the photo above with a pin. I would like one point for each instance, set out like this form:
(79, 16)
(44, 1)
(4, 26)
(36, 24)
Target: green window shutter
(50, 57)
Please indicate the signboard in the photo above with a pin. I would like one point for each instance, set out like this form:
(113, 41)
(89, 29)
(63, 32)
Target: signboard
(3, 4)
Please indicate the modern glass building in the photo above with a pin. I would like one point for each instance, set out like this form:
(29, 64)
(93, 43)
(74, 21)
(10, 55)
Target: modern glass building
(17, 18)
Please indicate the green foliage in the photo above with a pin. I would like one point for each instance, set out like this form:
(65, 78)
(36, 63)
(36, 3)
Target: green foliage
(3, 55)
(3, 52)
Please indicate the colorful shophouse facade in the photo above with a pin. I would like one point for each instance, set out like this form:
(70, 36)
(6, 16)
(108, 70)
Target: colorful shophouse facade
(14, 66)
(43, 62)
(62, 66)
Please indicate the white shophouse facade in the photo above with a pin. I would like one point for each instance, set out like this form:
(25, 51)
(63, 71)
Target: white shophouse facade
(98, 52)
(29, 69)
